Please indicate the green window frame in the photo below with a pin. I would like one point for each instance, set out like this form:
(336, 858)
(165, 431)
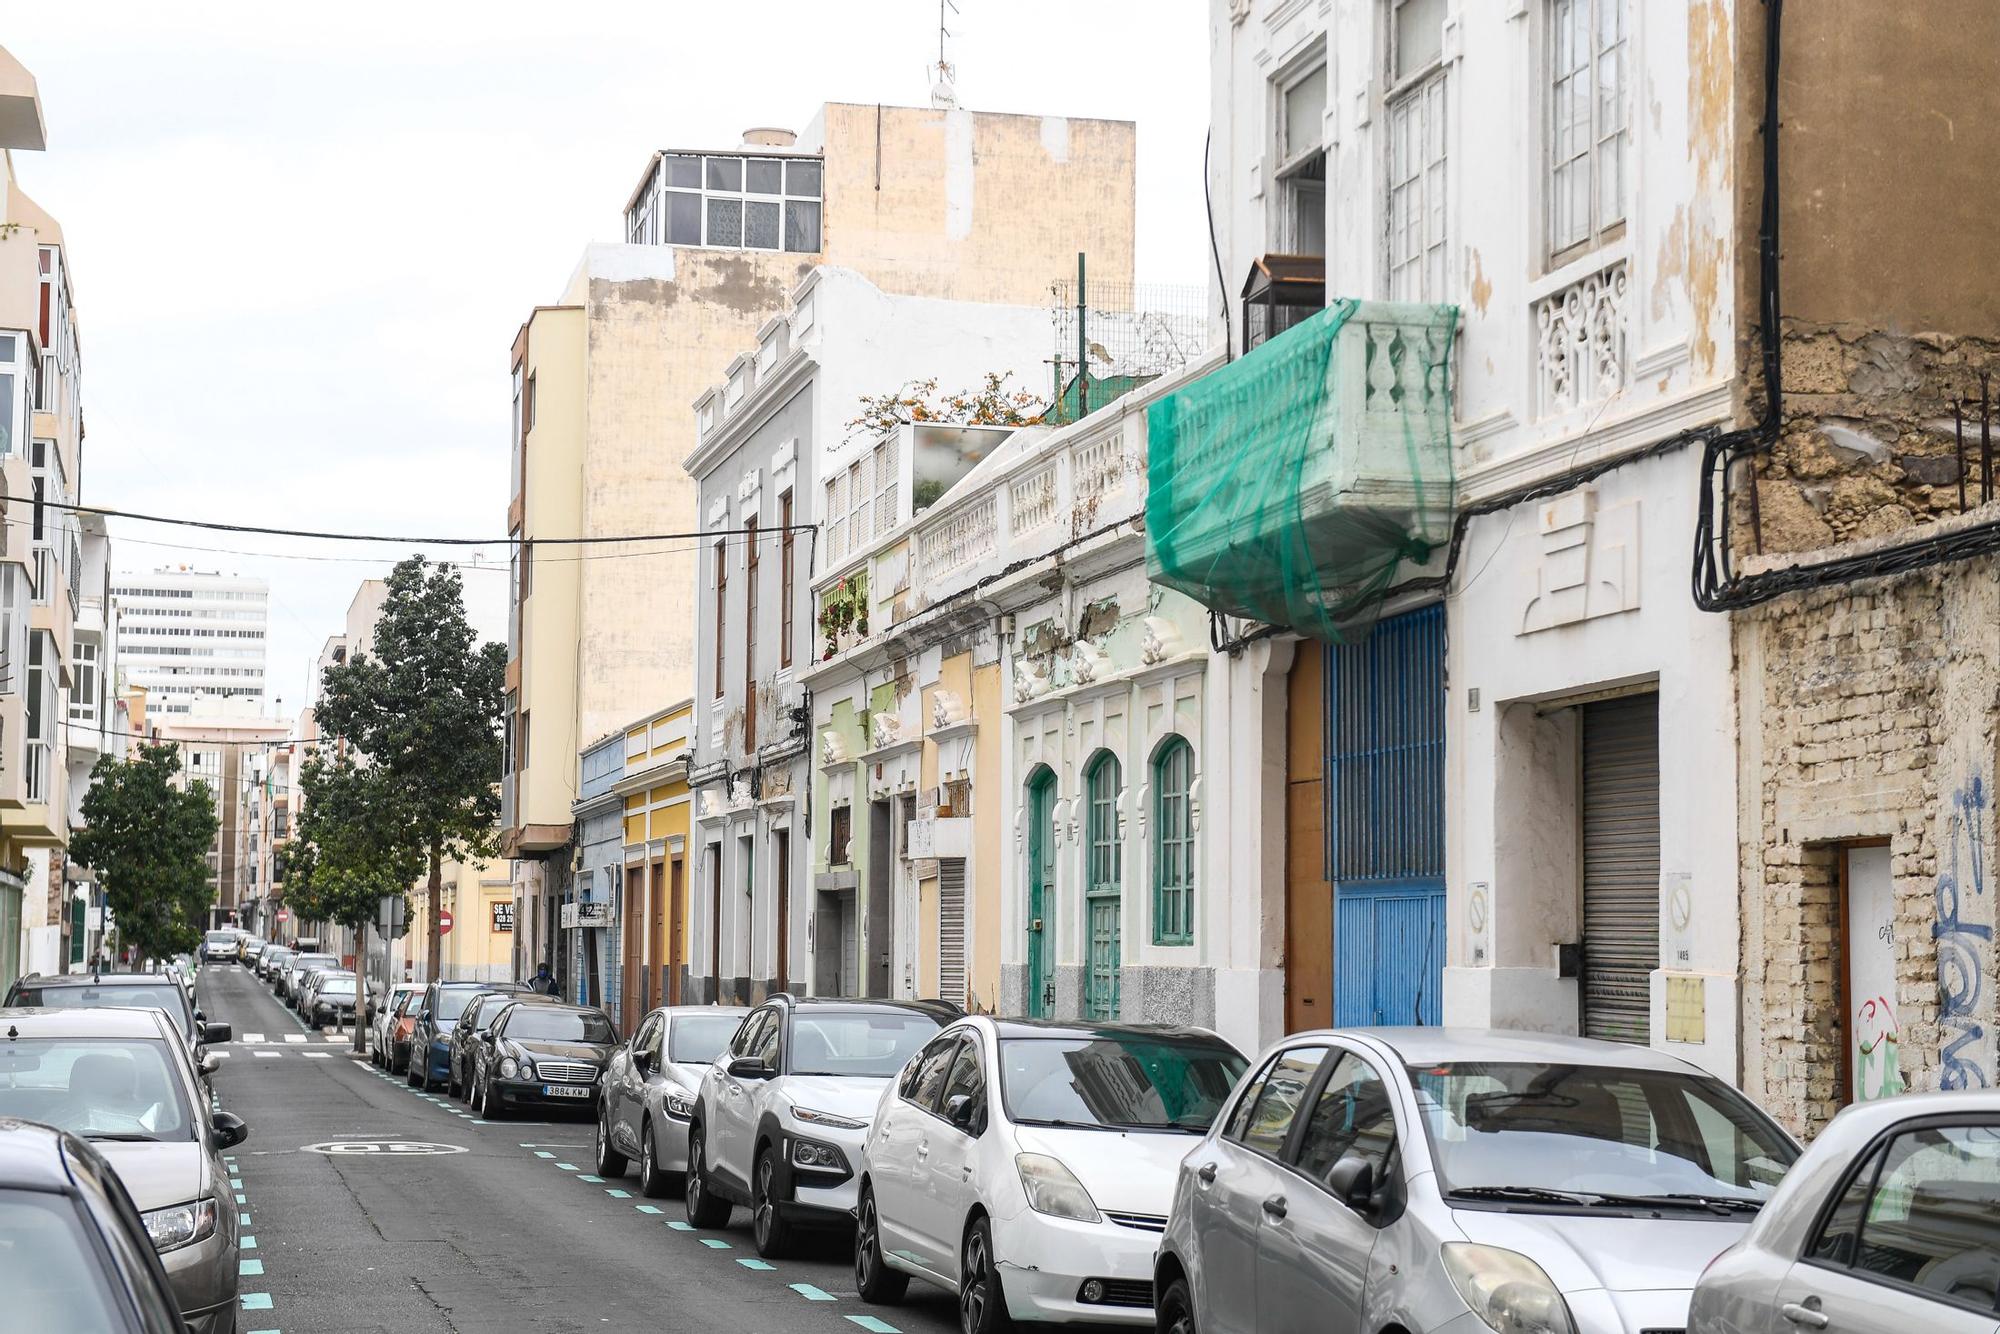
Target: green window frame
(1173, 843)
(1102, 781)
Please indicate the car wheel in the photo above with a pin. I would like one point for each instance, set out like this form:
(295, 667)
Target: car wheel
(873, 1279)
(982, 1307)
(1175, 1314)
(652, 1181)
(703, 1208)
(492, 1106)
(772, 1233)
(608, 1161)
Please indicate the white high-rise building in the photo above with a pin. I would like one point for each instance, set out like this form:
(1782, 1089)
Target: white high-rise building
(187, 633)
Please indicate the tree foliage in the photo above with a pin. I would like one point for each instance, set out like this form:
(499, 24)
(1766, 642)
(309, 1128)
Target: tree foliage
(353, 848)
(148, 842)
(424, 710)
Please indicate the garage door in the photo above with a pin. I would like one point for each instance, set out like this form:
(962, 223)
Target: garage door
(1621, 866)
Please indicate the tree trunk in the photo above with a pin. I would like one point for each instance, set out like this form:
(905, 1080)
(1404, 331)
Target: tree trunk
(361, 988)
(434, 926)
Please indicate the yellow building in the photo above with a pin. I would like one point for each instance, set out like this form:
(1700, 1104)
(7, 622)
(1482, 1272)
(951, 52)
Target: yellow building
(479, 947)
(656, 804)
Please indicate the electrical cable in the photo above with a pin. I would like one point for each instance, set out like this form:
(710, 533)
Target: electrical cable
(1215, 247)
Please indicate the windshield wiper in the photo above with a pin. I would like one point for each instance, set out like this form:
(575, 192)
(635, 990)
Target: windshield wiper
(1058, 1123)
(1721, 1204)
(125, 1137)
(1536, 1194)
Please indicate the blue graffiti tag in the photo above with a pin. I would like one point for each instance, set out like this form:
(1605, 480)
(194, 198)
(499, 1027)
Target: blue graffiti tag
(1961, 947)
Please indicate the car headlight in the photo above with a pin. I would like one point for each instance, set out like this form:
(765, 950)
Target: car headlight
(181, 1225)
(827, 1119)
(1053, 1189)
(680, 1105)
(509, 1068)
(1505, 1289)
(527, 1068)
(812, 1154)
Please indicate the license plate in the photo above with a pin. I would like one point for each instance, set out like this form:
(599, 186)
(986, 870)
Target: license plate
(561, 1091)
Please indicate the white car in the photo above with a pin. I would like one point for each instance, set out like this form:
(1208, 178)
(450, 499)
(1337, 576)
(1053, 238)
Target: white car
(1028, 1166)
(780, 1117)
(218, 945)
(649, 1090)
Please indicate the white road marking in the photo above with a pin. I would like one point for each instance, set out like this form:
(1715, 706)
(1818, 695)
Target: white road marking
(317, 1055)
(222, 1055)
(251, 1038)
(267, 1055)
(295, 1037)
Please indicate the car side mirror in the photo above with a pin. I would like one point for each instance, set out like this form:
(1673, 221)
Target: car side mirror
(642, 1062)
(216, 1032)
(747, 1067)
(486, 1039)
(210, 1063)
(199, 1017)
(962, 1110)
(229, 1129)
(1352, 1181)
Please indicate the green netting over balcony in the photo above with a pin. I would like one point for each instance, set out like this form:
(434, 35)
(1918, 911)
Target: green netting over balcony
(1300, 482)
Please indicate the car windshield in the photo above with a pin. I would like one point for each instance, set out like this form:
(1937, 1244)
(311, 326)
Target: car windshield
(46, 1266)
(535, 1023)
(451, 1003)
(220, 938)
(1597, 1130)
(165, 994)
(100, 1088)
(1118, 1081)
(305, 963)
(336, 986)
(858, 1042)
(406, 1003)
(697, 1039)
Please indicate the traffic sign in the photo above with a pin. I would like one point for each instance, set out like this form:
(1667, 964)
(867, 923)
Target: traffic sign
(284, 914)
(444, 922)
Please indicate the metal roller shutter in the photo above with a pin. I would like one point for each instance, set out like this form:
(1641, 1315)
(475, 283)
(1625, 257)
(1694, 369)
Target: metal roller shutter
(1621, 866)
(951, 930)
(850, 946)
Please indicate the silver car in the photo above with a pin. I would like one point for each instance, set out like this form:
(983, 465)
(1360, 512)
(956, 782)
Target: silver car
(1889, 1224)
(649, 1091)
(123, 1080)
(1453, 1180)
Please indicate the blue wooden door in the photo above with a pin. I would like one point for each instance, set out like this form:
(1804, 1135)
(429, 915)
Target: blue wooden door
(1041, 893)
(1385, 820)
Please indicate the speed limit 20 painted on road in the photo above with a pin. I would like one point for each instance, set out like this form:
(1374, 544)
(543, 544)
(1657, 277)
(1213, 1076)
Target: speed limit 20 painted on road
(361, 1148)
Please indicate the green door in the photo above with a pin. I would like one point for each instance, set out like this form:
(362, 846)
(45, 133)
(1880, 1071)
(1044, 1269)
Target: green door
(1104, 887)
(1041, 893)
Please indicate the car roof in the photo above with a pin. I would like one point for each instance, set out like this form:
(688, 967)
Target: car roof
(1424, 1045)
(942, 1011)
(1070, 1028)
(94, 1021)
(34, 1157)
(43, 981)
(676, 1011)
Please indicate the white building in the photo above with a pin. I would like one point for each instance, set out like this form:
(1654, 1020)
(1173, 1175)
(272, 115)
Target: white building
(189, 633)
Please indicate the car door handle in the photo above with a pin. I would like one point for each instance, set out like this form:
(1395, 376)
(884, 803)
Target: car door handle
(1275, 1206)
(1809, 1316)
(1207, 1174)
(923, 1148)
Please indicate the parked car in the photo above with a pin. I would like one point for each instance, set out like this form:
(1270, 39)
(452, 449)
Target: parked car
(1889, 1223)
(120, 1078)
(248, 949)
(335, 998)
(779, 1121)
(308, 981)
(219, 945)
(430, 1036)
(649, 1091)
(473, 1023)
(270, 959)
(297, 967)
(71, 991)
(1045, 1151)
(1434, 1178)
(547, 1053)
(74, 1253)
(394, 1018)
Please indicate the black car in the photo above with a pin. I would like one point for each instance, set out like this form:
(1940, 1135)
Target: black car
(549, 1054)
(430, 1039)
(334, 998)
(475, 1021)
(152, 991)
(74, 1253)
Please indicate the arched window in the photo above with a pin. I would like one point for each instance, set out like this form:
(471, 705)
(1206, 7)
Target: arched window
(1173, 844)
(1102, 782)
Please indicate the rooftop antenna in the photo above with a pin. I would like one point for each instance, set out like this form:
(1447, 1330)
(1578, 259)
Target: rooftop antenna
(944, 90)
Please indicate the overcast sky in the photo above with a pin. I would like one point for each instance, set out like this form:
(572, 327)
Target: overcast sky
(303, 237)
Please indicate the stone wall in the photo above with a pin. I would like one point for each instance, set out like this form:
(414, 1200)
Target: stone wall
(1869, 715)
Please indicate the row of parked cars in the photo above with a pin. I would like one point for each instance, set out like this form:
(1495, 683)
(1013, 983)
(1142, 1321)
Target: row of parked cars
(115, 1208)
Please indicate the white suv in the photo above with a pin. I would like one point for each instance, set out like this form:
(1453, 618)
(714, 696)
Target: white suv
(779, 1119)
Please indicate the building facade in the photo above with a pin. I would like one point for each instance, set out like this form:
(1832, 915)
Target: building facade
(935, 202)
(224, 743)
(193, 634)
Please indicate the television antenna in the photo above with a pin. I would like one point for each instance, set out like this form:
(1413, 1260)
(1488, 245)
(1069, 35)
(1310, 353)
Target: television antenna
(944, 89)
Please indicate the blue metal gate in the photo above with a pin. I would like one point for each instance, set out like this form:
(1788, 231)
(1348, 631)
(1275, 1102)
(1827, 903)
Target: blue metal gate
(1385, 703)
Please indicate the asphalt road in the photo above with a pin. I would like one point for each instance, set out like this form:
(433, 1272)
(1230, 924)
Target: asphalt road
(510, 1233)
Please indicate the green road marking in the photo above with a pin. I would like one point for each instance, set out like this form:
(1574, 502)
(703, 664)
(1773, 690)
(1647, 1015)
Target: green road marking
(246, 1243)
(247, 1268)
(613, 1193)
(811, 1293)
(595, 1181)
(679, 1226)
(647, 1208)
(756, 1264)
(716, 1244)
(236, 1183)
(256, 1301)
(243, 1218)
(874, 1324)
(240, 1199)
(544, 1153)
(567, 1167)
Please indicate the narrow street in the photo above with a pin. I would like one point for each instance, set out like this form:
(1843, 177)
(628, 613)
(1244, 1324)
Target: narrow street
(506, 1231)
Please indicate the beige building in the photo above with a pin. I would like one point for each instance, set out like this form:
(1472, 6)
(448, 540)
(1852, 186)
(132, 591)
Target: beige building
(217, 740)
(919, 201)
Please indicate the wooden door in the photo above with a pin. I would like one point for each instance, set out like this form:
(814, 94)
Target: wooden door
(677, 911)
(632, 976)
(656, 936)
(1040, 947)
(1308, 892)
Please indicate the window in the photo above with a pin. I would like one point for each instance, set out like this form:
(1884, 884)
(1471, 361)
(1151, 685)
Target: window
(734, 202)
(528, 406)
(721, 608)
(521, 739)
(836, 518)
(1417, 153)
(1301, 224)
(1264, 1121)
(785, 582)
(1587, 129)
(840, 833)
(1101, 839)
(1173, 844)
(1350, 1116)
(930, 1071)
(861, 492)
(83, 699)
(1929, 1223)
(888, 471)
(967, 1079)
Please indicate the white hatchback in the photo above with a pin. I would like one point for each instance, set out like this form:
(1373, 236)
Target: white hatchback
(1029, 1166)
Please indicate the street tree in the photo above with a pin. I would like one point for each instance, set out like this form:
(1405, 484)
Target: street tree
(425, 708)
(354, 851)
(147, 839)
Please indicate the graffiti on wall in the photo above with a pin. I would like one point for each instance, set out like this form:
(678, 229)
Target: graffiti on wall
(1877, 1070)
(1964, 938)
